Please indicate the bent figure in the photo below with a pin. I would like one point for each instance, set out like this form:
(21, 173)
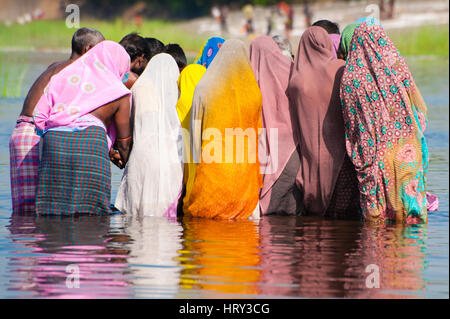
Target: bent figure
(385, 117)
(153, 178)
(24, 142)
(271, 67)
(326, 175)
(77, 113)
(226, 116)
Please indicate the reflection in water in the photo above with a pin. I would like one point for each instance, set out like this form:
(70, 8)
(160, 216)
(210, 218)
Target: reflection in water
(330, 258)
(153, 254)
(399, 252)
(220, 256)
(44, 246)
(278, 256)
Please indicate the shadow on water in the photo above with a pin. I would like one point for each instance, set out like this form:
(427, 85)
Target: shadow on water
(277, 257)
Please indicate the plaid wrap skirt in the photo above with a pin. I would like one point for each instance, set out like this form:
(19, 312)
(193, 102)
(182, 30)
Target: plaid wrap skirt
(24, 165)
(74, 174)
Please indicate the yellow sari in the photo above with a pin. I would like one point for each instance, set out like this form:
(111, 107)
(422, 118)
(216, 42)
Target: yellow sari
(187, 82)
(226, 116)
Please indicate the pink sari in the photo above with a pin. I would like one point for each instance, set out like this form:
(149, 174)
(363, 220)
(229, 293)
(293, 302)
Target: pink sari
(271, 69)
(92, 81)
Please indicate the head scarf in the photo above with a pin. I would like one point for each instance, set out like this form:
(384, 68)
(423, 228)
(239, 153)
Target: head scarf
(209, 51)
(348, 31)
(92, 81)
(227, 97)
(320, 125)
(271, 69)
(335, 40)
(187, 82)
(153, 177)
(385, 117)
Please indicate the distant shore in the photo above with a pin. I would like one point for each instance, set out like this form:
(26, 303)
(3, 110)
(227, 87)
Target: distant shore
(418, 28)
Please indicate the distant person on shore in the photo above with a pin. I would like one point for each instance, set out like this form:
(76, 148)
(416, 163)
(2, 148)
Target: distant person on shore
(249, 16)
(177, 53)
(209, 51)
(155, 46)
(84, 111)
(288, 11)
(223, 18)
(220, 14)
(333, 30)
(139, 52)
(24, 143)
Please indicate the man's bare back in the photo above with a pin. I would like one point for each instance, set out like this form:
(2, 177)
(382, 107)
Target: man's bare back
(37, 89)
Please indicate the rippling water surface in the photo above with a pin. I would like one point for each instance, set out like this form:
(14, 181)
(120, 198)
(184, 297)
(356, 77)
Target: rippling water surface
(276, 257)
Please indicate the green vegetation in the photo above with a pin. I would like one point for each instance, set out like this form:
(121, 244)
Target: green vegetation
(55, 34)
(12, 74)
(425, 40)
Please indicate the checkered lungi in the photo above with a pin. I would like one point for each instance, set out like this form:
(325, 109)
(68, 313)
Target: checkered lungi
(24, 165)
(75, 173)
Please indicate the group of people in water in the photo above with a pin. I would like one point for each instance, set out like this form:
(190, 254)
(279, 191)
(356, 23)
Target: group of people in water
(334, 131)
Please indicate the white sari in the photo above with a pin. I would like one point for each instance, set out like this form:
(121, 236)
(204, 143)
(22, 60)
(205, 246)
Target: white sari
(153, 178)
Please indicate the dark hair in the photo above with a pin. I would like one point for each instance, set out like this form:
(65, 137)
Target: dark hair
(330, 27)
(136, 46)
(85, 37)
(177, 53)
(155, 46)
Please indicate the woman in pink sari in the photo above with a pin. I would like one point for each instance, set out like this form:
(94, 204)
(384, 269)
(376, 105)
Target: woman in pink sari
(326, 174)
(271, 68)
(82, 110)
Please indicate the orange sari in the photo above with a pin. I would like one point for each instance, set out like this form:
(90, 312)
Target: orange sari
(225, 122)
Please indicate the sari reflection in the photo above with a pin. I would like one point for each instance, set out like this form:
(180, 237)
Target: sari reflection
(48, 245)
(306, 257)
(399, 253)
(220, 256)
(153, 254)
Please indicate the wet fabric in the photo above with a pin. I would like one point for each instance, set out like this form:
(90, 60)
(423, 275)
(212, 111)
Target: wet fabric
(91, 81)
(74, 174)
(153, 178)
(344, 203)
(209, 51)
(24, 165)
(385, 117)
(286, 198)
(271, 69)
(318, 117)
(187, 81)
(226, 106)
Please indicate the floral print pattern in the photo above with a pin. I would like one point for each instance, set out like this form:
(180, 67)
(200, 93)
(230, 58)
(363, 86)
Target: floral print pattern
(384, 118)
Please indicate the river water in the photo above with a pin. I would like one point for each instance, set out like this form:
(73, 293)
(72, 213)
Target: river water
(277, 257)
